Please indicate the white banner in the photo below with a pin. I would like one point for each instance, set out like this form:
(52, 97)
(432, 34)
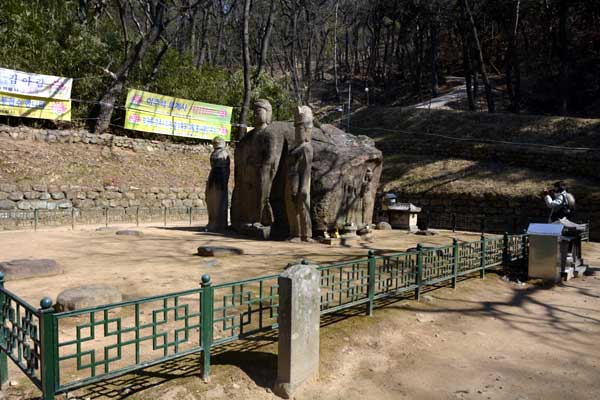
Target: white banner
(35, 85)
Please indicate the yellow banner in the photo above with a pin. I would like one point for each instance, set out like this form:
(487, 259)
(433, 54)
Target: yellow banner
(33, 107)
(176, 107)
(175, 126)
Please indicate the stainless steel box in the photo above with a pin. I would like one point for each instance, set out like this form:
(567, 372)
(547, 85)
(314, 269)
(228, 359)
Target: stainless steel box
(545, 256)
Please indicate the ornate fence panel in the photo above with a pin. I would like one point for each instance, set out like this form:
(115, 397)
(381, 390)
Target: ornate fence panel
(344, 285)
(395, 273)
(20, 334)
(244, 308)
(494, 251)
(469, 257)
(101, 342)
(438, 265)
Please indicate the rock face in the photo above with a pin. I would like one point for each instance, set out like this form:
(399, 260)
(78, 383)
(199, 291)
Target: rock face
(22, 269)
(344, 178)
(87, 296)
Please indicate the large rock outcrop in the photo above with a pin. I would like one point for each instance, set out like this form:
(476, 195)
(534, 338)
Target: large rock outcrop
(345, 175)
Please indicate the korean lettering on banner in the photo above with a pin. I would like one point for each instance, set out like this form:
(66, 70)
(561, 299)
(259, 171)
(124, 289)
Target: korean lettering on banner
(35, 96)
(35, 85)
(210, 114)
(32, 107)
(175, 126)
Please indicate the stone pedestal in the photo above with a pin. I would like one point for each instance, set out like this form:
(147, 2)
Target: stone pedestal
(299, 316)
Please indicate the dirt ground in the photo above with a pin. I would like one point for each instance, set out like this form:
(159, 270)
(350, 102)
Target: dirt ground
(488, 339)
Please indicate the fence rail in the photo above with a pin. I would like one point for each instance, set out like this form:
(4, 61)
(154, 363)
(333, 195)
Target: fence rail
(63, 351)
(38, 218)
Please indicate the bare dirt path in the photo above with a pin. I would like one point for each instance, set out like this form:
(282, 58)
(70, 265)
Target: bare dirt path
(489, 339)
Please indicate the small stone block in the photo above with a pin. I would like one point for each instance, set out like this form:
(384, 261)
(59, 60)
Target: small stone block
(219, 251)
(23, 269)
(87, 296)
(383, 226)
(128, 232)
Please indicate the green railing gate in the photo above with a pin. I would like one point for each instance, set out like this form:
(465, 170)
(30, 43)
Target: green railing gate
(64, 351)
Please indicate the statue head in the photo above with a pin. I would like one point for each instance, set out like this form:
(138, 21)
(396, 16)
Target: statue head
(218, 143)
(263, 113)
(303, 123)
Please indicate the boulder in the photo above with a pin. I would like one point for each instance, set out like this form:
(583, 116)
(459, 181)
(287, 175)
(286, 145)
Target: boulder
(383, 226)
(344, 178)
(86, 296)
(22, 269)
(219, 251)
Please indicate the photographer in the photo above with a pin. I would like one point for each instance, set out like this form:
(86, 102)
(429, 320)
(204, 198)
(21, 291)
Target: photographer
(560, 202)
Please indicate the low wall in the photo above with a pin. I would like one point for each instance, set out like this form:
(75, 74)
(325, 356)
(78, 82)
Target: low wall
(83, 136)
(52, 197)
(501, 214)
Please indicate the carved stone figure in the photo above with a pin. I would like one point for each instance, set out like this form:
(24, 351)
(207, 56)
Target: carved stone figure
(216, 187)
(345, 174)
(299, 167)
(257, 158)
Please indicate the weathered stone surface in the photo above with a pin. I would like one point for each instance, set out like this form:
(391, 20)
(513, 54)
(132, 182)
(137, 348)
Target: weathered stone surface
(87, 296)
(216, 187)
(299, 317)
(383, 226)
(130, 232)
(7, 205)
(219, 251)
(22, 269)
(344, 177)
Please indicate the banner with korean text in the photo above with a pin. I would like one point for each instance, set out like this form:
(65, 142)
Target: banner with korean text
(23, 94)
(166, 115)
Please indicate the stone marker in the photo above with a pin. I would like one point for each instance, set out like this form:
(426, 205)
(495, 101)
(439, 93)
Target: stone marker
(128, 232)
(219, 251)
(87, 296)
(299, 316)
(22, 269)
(216, 187)
(383, 226)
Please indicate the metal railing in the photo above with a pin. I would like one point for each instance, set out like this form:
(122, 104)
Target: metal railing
(64, 351)
(38, 218)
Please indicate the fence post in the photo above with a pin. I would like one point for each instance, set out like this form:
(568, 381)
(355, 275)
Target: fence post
(35, 219)
(482, 225)
(206, 330)
(72, 219)
(371, 288)
(137, 216)
(47, 349)
(419, 271)
(165, 216)
(482, 260)
(190, 215)
(453, 222)
(106, 217)
(3, 358)
(454, 262)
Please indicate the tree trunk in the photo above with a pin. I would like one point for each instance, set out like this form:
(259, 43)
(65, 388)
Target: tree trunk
(246, 62)
(512, 65)
(486, 82)
(134, 55)
(264, 44)
(563, 44)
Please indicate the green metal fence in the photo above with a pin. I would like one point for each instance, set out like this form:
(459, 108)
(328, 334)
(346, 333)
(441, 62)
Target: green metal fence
(64, 351)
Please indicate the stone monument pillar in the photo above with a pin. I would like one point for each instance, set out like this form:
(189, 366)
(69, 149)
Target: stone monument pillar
(216, 187)
(299, 168)
(299, 317)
